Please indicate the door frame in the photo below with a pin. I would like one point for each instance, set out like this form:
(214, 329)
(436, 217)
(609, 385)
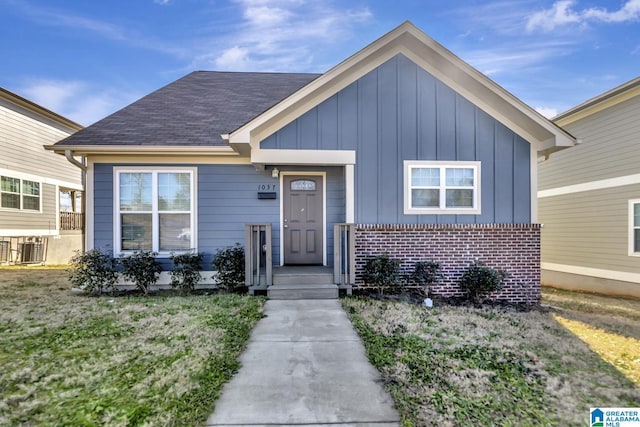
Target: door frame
(322, 174)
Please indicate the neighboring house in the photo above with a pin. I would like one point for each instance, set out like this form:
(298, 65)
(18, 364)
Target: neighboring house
(589, 197)
(402, 148)
(41, 217)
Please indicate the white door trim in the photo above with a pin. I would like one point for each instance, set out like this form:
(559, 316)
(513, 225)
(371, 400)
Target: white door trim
(324, 211)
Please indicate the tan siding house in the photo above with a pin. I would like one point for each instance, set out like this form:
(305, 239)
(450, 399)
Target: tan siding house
(589, 197)
(40, 192)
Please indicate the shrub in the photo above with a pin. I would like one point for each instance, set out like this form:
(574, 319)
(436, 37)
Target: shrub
(186, 270)
(382, 271)
(142, 269)
(229, 266)
(479, 280)
(425, 274)
(93, 271)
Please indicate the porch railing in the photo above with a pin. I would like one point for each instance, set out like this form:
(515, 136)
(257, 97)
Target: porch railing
(344, 255)
(258, 275)
(71, 221)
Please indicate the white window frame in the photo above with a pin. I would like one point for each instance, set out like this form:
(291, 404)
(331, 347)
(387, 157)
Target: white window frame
(632, 227)
(155, 223)
(21, 195)
(409, 165)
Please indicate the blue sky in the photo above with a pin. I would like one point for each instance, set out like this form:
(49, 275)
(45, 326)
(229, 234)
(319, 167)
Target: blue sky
(86, 59)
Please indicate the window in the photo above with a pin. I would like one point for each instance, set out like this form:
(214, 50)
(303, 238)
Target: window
(433, 187)
(634, 227)
(303, 185)
(70, 200)
(155, 210)
(18, 193)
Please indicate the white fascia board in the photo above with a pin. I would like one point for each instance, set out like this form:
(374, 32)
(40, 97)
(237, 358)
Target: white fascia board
(81, 150)
(169, 160)
(304, 157)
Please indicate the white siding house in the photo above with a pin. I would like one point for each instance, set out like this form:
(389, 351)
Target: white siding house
(589, 197)
(40, 192)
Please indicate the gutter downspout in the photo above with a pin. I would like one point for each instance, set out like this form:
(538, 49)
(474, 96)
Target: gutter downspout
(83, 179)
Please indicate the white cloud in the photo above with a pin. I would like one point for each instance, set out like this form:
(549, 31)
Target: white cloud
(234, 58)
(562, 13)
(76, 100)
(515, 57)
(162, 2)
(548, 112)
(282, 35)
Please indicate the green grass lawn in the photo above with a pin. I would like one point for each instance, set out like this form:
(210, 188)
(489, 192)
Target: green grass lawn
(71, 360)
(497, 366)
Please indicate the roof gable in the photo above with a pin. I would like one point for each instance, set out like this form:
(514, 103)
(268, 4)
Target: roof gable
(608, 99)
(432, 57)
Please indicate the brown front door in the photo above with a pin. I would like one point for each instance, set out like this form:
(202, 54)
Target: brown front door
(303, 219)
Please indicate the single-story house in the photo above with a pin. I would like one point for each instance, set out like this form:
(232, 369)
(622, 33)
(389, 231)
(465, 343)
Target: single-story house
(589, 197)
(41, 215)
(401, 148)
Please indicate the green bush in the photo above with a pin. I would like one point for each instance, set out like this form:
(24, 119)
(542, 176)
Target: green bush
(425, 274)
(229, 266)
(142, 269)
(186, 270)
(480, 280)
(382, 271)
(93, 271)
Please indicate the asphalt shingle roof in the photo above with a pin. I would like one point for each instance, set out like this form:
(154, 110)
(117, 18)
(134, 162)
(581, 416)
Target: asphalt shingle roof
(192, 111)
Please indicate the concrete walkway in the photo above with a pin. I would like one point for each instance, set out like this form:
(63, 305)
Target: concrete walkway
(304, 365)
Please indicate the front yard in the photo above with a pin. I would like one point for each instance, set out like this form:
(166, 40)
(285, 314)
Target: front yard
(161, 361)
(76, 360)
(498, 366)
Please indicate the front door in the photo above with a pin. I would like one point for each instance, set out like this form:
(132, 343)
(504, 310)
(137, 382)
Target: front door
(303, 220)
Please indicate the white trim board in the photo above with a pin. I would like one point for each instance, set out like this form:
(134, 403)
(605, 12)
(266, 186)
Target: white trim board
(594, 272)
(590, 186)
(40, 178)
(27, 232)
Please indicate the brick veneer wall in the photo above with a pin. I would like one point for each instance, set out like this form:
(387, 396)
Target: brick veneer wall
(514, 248)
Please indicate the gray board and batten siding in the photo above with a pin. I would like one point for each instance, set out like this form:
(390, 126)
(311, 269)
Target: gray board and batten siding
(401, 112)
(227, 200)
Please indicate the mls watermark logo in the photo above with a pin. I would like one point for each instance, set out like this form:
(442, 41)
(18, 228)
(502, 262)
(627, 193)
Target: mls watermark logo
(615, 417)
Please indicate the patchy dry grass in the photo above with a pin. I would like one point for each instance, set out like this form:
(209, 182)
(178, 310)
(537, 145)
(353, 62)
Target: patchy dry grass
(74, 360)
(485, 366)
(609, 326)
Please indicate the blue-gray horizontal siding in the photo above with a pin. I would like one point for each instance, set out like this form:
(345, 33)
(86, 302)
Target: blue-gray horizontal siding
(227, 200)
(401, 112)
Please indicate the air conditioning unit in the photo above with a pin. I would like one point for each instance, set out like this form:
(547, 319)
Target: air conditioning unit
(32, 252)
(5, 250)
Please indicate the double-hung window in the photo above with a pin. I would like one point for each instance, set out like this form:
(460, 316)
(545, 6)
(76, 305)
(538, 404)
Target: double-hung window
(18, 193)
(155, 210)
(634, 227)
(436, 187)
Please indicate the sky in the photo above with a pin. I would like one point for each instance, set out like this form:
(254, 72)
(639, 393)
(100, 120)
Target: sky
(86, 59)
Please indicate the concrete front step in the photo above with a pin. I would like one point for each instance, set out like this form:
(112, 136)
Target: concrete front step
(297, 278)
(306, 291)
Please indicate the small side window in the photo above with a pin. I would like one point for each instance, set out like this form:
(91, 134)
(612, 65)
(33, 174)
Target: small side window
(303, 185)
